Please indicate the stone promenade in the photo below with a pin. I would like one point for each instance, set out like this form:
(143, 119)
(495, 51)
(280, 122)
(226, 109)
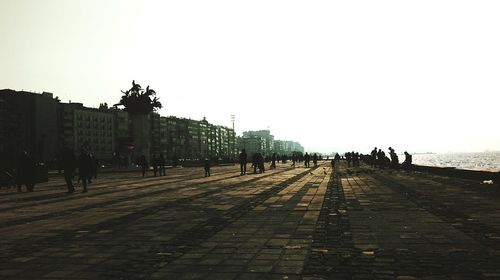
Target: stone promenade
(287, 223)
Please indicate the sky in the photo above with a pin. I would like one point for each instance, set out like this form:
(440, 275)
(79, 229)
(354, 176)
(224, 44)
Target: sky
(422, 76)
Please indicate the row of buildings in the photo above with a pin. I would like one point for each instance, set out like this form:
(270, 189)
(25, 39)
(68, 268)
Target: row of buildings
(262, 141)
(43, 125)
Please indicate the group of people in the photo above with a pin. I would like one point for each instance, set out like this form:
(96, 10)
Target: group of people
(258, 161)
(157, 162)
(24, 173)
(87, 165)
(379, 159)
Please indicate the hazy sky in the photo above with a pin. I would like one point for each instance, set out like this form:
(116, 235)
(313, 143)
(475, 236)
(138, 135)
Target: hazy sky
(333, 75)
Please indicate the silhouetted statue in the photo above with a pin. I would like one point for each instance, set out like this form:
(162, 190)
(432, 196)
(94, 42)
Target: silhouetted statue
(84, 168)
(243, 162)
(69, 166)
(25, 172)
(206, 165)
(408, 160)
(144, 164)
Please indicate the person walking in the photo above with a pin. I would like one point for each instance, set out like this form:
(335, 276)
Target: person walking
(25, 172)
(84, 168)
(273, 161)
(243, 162)
(307, 160)
(69, 166)
(154, 163)
(144, 164)
(207, 167)
(315, 160)
(161, 161)
(95, 166)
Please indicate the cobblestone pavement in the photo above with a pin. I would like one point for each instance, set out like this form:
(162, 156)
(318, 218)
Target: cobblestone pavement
(288, 223)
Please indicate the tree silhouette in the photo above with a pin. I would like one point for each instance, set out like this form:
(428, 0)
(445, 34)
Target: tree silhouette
(138, 101)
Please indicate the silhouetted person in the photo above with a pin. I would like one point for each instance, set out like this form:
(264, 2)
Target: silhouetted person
(144, 164)
(154, 163)
(84, 168)
(25, 172)
(294, 160)
(394, 158)
(243, 162)
(273, 161)
(355, 158)
(69, 166)
(175, 161)
(315, 160)
(374, 157)
(307, 159)
(95, 166)
(408, 160)
(255, 162)
(381, 159)
(206, 165)
(348, 158)
(161, 161)
(262, 168)
(336, 157)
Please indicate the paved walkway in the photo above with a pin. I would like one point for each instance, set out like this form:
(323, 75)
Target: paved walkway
(356, 223)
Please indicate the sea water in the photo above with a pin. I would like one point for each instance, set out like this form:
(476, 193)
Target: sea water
(486, 161)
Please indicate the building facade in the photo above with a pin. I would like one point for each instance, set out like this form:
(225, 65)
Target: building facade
(28, 122)
(92, 130)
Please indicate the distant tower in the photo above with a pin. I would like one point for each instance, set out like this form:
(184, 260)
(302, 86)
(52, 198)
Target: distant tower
(232, 120)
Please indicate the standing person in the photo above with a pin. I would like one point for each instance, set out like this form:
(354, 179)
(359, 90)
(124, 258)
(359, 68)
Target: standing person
(294, 159)
(144, 164)
(394, 158)
(408, 160)
(381, 159)
(25, 172)
(307, 159)
(373, 158)
(255, 162)
(69, 166)
(262, 169)
(84, 168)
(273, 161)
(243, 162)
(315, 160)
(348, 158)
(162, 165)
(207, 167)
(94, 165)
(154, 162)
